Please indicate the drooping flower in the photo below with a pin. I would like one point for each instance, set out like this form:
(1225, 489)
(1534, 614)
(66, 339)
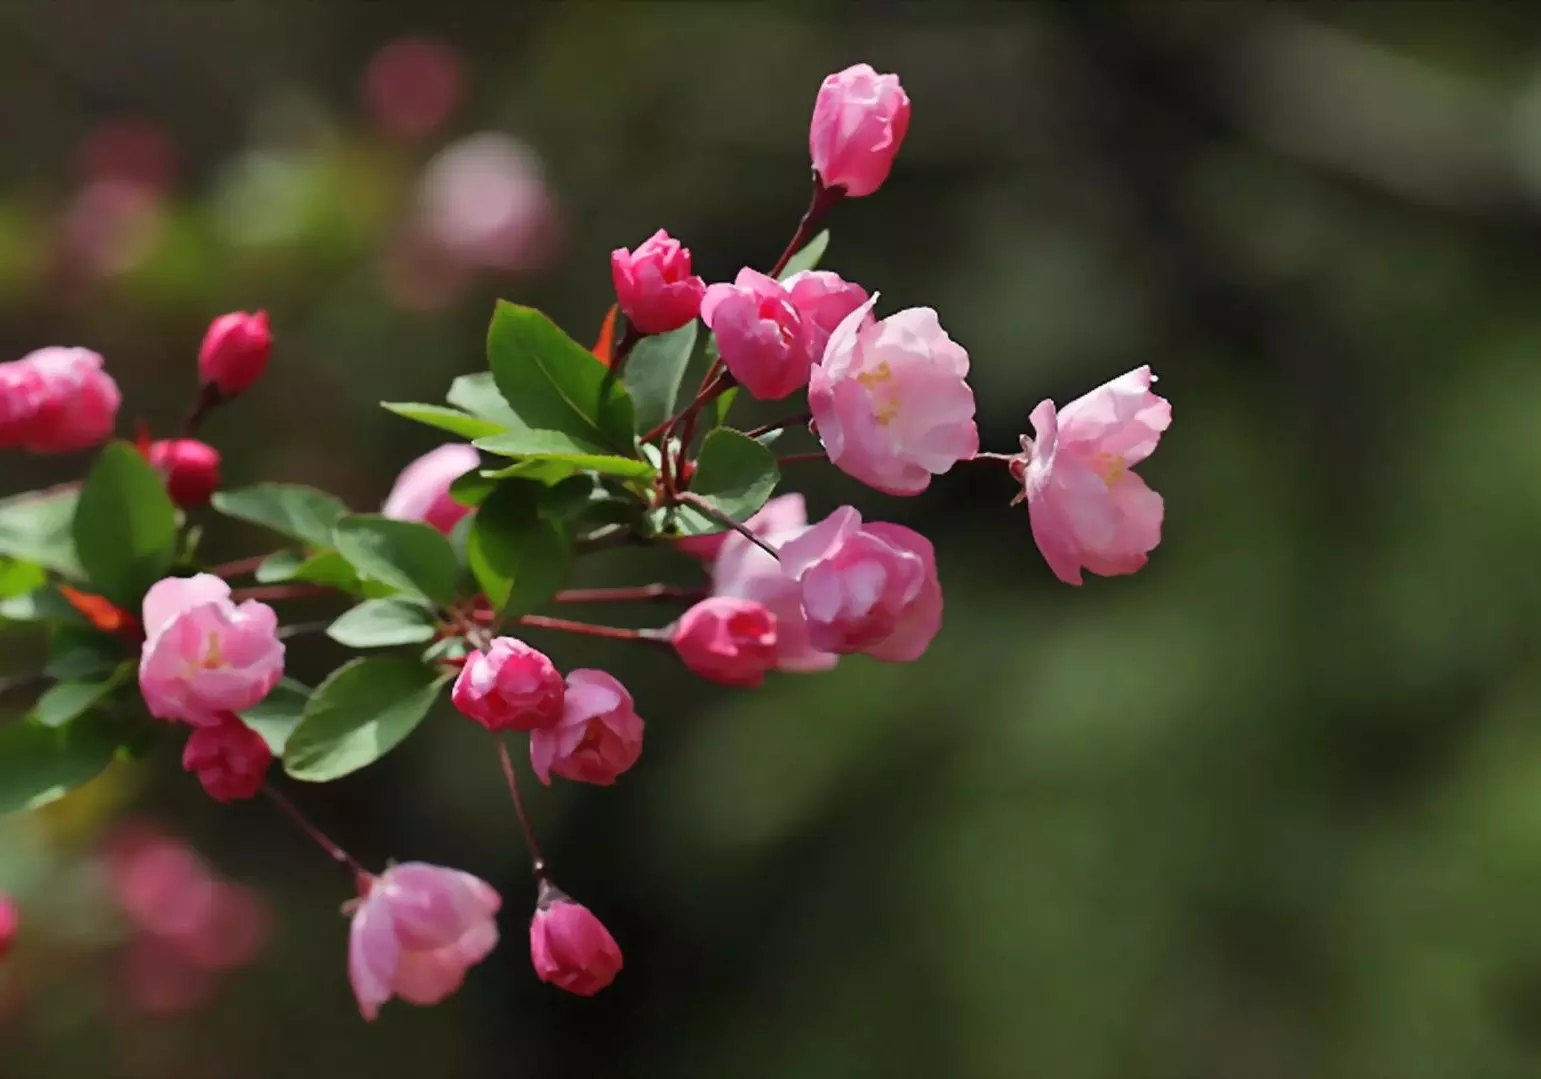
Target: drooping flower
(654, 285)
(859, 122)
(569, 947)
(1088, 510)
(727, 640)
(229, 758)
(868, 588)
(204, 656)
(416, 930)
(511, 686)
(235, 351)
(891, 400)
(761, 336)
(598, 737)
(421, 492)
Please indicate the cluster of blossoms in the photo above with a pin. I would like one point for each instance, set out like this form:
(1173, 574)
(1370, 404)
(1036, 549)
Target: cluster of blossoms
(887, 398)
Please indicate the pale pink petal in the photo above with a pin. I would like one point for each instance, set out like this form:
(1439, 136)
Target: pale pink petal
(173, 595)
(373, 955)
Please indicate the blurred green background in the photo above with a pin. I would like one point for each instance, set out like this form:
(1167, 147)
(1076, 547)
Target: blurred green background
(1269, 809)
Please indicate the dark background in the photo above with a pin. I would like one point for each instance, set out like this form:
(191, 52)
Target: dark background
(1270, 808)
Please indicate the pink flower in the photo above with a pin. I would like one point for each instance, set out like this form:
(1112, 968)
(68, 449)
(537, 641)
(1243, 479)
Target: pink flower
(55, 400)
(10, 923)
(598, 737)
(760, 335)
(728, 640)
(891, 402)
(230, 759)
(484, 201)
(742, 569)
(412, 85)
(859, 121)
(511, 686)
(824, 299)
(866, 588)
(235, 351)
(1088, 510)
(203, 655)
(416, 931)
(233, 930)
(421, 492)
(777, 515)
(569, 947)
(654, 285)
(191, 469)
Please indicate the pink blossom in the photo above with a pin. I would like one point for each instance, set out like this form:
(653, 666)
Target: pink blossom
(760, 334)
(162, 886)
(742, 569)
(891, 401)
(728, 640)
(598, 737)
(203, 655)
(235, 351)
(416, 931)
(824, 299)
(484, 200)
(1088, 510)
(191, 469)
(412, 85)
(569, 947)
(10, 922)
(654, 285)
(113, 226)
(233, 930)
(511, 686)
(866, 588)
(55, 400)
(421, 492)
(859, 121)
(230, 759)
(780, 514)
(157, 979)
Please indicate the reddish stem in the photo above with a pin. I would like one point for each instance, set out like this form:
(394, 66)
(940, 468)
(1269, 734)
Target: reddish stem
(823, 200)
(239, 568)
(631, 592)
(618, 633)
(336, 853)
(280, 591)
(207, 399)
(537, 860)
(701, 505)
(790, 421)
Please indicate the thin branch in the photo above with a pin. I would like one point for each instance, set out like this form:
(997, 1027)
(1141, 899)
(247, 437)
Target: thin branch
(567, 625)
(630, 592)
(239, 568)
(824, 199)
(701, 505)
(335, 852)
(281, 591)
(537, 860)
(780, 425)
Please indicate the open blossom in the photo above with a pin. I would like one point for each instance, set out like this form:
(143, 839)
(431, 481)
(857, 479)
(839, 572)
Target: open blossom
(421, 492)
(743, 570)
(859, 121)
(235, 351)
(569, 947)
(761, 336)
(598, 737)
(204, 656)
(727, 640)
(55, 400)
(511, 686)
(229, 758)
(416, 931)
(866, 587)
(191, 469)
(891, 400)
(824, 299)
(1088, 510)
(654, 285)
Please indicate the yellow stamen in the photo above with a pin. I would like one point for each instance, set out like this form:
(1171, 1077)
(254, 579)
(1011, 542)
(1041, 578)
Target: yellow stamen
(1110, 466)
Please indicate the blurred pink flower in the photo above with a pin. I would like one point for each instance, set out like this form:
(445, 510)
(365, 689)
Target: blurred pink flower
(235, 351)
(10, 922)
(484, 200)
(421, 491)
(234, 929)
(412, 85)
(159, 980)
(111, 227)
(55, 400)
(130, 149)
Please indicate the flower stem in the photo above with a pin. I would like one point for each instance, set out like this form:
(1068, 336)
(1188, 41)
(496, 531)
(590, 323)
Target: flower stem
(280, 591)
(336, 853)
(239, 568)
(207, 399)
(631, 592)
(701, 505)
(537, 860)
(618, 633)
(780, 425)
(823, 200)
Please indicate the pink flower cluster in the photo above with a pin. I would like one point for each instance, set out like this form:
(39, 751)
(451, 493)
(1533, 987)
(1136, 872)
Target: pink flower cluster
(55, 400)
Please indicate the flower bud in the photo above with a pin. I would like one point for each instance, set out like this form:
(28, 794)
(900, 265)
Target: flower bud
(569, 947)
(598, 737)
(760, 334)
(654, 285)
(859, 121)
(229, 758)
(10, 922)
(235, 351)
(55, 400)
(511, 686)
(191, 469)
(421, 492)
(728, 640)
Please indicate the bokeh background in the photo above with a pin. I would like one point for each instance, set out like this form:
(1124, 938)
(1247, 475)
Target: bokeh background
(1269, 809)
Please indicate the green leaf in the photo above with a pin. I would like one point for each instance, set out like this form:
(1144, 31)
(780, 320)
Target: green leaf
(277, 715)
(290, 509)
(360, 713)
(654, 371)
(125, 526)
(445, 419)
(39, 764)
(278, 567)
(809, 257)
(735, 474)
(382, 623)
(78, 653)
(518, 556)
(43, 605)
(18, 578)
(478, 394)
(67, 700)
(409, 556)
(35, 527)
(724, 404)
(564, 400)
(472, 488)
(325, 568)
(522, 446)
